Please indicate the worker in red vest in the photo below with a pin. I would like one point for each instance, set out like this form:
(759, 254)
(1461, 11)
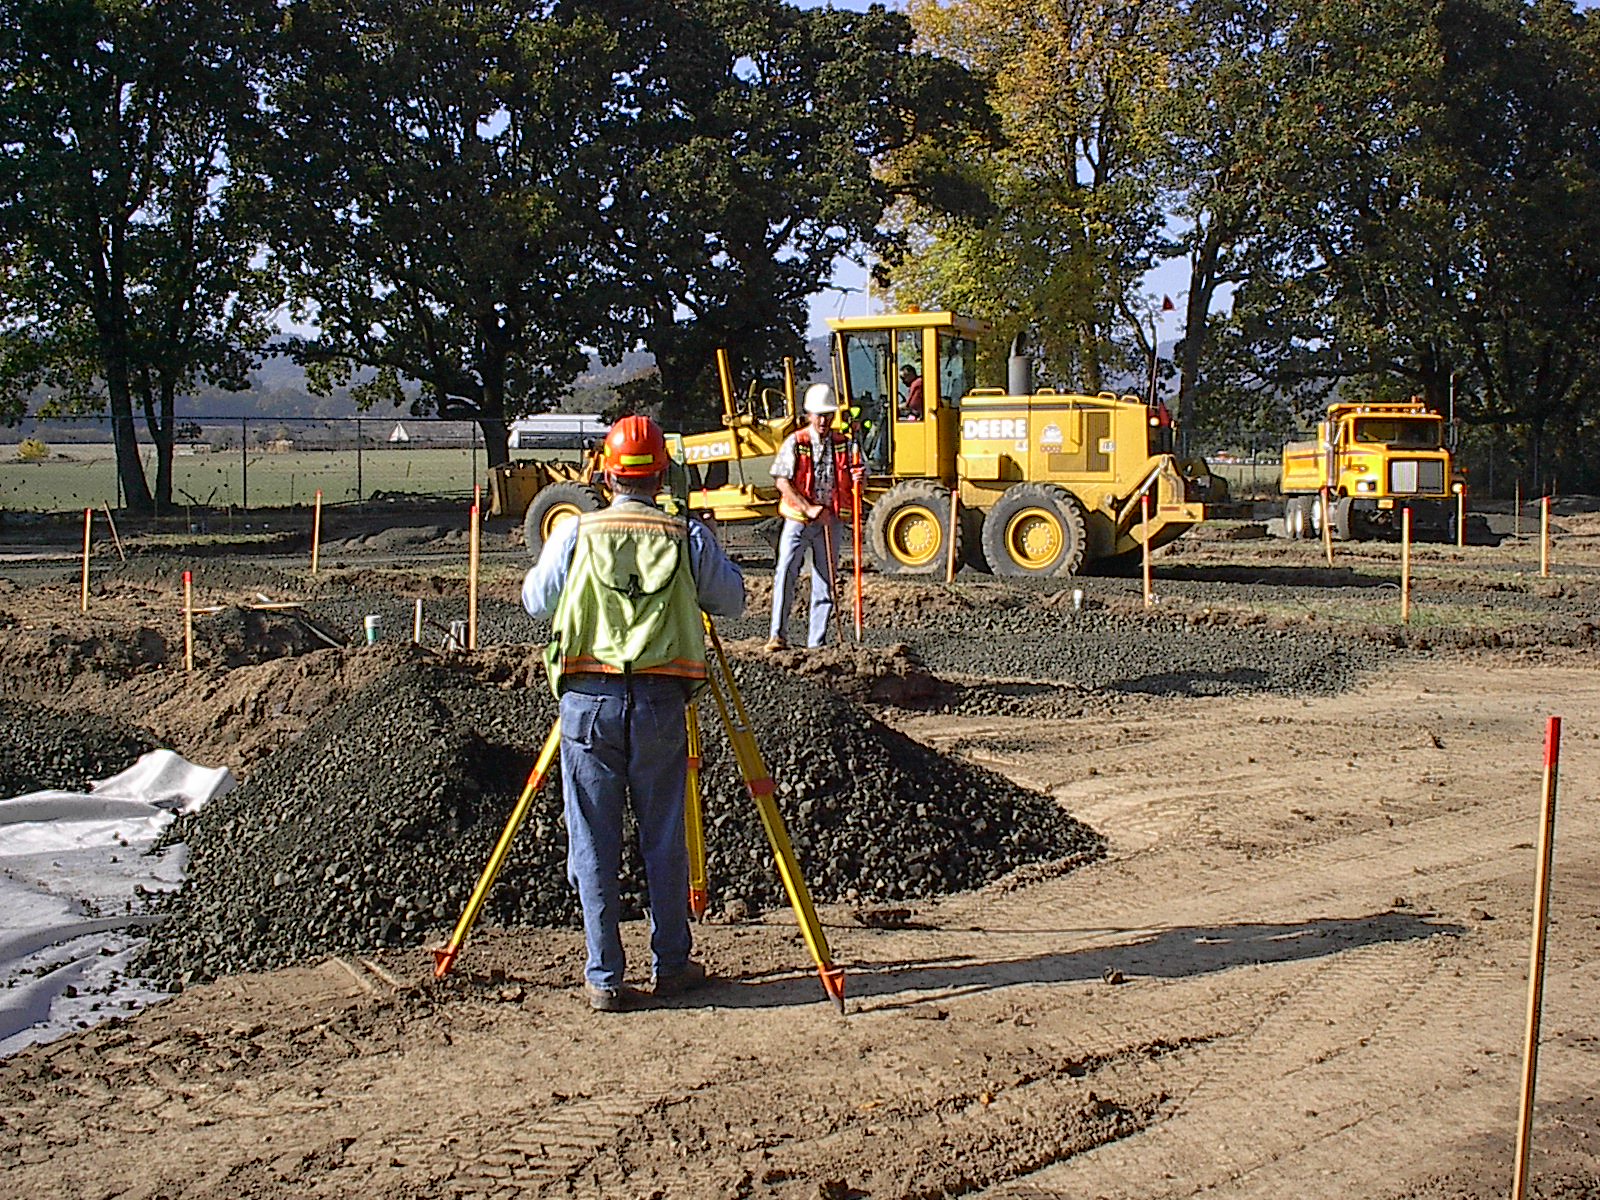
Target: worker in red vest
(815, 484)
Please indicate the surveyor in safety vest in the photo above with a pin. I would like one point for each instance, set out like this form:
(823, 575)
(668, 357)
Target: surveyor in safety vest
(624, 589)
(816, 482)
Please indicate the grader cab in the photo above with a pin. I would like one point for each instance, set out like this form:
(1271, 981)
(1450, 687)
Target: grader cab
(1043, 481)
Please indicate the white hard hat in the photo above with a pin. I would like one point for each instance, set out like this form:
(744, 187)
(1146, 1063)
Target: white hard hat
(819, 399)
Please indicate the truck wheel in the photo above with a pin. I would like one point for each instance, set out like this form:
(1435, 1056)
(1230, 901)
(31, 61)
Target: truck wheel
(1343, 519)
(554, 505)
(1295, 518)
(1035, 529)
(908, 531)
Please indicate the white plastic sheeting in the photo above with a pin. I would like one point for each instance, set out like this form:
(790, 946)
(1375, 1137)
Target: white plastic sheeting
(70, 914)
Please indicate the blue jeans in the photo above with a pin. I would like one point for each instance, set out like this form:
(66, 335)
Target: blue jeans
(622, 742)
(819, 538)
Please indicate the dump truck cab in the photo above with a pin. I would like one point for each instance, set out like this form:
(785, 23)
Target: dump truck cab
(1044, 481)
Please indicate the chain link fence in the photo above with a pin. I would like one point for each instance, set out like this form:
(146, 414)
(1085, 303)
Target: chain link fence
(247, 462)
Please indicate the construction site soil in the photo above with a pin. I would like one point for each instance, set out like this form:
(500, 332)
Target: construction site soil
(1229, 893)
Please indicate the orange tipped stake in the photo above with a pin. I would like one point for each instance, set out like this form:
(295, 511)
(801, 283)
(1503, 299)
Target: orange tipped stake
(188, 620)
(1327, 526)
(1149, 590)
(472, 580)
(88, 528)
(855, 532)
(316, 530)
(955, 518)
(1461, 516)
(1405, 565)
(115, 540)
(1544, 537)
(1541, 920)
(445, 959)
(416, 623)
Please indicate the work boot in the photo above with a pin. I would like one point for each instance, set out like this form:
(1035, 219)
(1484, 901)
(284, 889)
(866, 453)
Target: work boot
(775, 643)
(690, 977)
(610, 1000)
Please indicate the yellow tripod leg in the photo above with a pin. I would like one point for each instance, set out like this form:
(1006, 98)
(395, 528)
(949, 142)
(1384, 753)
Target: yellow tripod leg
(758, 782)
(694, 829)
(444, 959)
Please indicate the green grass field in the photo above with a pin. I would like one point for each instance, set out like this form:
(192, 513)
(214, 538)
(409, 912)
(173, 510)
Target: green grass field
(84, 476)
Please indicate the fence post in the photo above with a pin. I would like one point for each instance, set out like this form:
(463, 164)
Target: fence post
(244, 463)
(360, 490)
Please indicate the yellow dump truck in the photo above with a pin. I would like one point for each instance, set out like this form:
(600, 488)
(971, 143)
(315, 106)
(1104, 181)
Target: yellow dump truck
(1042, 482)
(1374, 459)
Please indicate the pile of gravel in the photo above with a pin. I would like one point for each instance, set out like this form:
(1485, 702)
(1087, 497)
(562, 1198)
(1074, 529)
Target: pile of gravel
(371, 829)
(42, 748)
(872, 813)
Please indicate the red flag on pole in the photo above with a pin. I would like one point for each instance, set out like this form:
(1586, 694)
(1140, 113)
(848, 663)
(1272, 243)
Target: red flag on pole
(1166, 304)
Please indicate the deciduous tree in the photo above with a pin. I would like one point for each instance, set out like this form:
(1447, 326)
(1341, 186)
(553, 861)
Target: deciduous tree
(126, 265)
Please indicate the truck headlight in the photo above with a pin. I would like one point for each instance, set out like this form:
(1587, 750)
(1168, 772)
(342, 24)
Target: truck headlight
(1366, 485)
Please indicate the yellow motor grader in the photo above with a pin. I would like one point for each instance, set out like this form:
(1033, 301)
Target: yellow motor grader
(1042, 481)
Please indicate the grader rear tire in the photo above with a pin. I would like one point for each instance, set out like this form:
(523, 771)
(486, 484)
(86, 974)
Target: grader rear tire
(1035, 530)
(553, 505)
(908, 530)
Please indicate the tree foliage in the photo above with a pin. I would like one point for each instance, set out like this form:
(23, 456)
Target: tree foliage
(474, 194)
(809, 124)
(1074, 222)
(1433, 227)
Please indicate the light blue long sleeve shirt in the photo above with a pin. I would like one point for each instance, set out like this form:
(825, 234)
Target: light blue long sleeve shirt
(718, 580)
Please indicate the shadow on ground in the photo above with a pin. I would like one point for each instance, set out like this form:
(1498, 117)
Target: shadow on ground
(1178, 953)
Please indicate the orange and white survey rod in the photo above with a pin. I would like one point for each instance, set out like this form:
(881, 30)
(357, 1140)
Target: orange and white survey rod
(444, 959)
(855, 526)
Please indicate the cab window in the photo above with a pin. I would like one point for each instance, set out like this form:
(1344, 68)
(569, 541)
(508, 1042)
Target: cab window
(869, 367)
(910, 403)
(958, 368)
(1408, 435)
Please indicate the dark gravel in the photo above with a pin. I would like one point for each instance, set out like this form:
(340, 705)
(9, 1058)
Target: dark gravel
(42, 749)
(371, 829)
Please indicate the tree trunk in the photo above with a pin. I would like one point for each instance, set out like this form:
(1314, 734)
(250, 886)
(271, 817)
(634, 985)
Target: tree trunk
(161, 426)
(492, 400)
(496, 440)
(135, 490)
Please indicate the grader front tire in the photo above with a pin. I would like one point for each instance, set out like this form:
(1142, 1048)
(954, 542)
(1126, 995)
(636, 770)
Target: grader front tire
(554, 504)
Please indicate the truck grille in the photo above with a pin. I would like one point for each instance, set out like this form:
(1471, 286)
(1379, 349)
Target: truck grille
(1410, 477)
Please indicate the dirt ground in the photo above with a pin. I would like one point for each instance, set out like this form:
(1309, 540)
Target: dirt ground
(1300, 971)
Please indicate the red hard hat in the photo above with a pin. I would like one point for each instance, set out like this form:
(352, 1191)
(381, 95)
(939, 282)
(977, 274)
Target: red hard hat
(635, 447)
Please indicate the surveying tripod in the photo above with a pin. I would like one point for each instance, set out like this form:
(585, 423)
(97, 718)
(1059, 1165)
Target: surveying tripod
(757, 781)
